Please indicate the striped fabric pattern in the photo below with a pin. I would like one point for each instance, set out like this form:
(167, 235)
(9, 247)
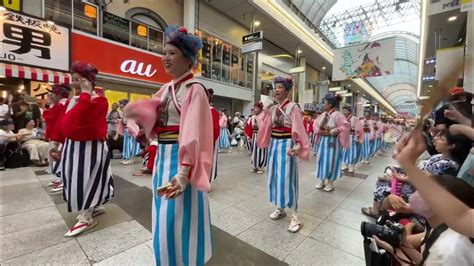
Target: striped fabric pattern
(57, 168)
(366, 146)
(181, 227)
(214, 161)
(282, 175)
(329, 159)
(86, 174)
(131, 147)
(224, 142)
(145, 159)
(259, 156)
(352, 154)
(248, 144)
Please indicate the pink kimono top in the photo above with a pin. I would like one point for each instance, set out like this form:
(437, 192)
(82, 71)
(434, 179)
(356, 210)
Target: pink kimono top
(356, 128)
(336, 120)
(380, 129)
(291, 121)
(223, 121)
(368, 126)
(188, 111)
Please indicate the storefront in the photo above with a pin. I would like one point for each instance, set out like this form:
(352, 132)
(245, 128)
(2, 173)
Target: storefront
(34, 54)
(124, 71)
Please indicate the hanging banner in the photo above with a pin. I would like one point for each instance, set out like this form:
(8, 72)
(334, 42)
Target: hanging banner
(364, 60)
(33, 42)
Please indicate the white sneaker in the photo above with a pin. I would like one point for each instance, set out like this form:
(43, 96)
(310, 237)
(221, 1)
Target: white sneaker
(127, 162)
(295, 224)
(351, 170)
(344, 168)
(320, 185)
(277, 214)
(329, 187)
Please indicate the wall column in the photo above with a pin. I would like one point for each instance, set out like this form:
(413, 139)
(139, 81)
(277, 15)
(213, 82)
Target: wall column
(469, 54)
(189, 14)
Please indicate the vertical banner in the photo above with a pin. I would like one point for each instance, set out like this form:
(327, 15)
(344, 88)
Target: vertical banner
(365, 60)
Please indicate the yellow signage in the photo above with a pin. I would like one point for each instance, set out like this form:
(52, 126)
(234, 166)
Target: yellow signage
(11, 4)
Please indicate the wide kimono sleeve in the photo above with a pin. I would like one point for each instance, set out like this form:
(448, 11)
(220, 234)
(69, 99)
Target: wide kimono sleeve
(372, 130)
(195, 142)
(344, 129)
(264, 123)
(144, 112)
(359, 130)
(298, 132)
(223, 121)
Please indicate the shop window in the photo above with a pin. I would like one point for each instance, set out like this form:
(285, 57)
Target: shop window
(136, 97)
(85, 17)
(139, 36)
(116, 28)
(234, 65)
(58, 11)
(206, 56)
(249, 70)
(155, 41)
(216, 59)
(115, 96)
(226, 62)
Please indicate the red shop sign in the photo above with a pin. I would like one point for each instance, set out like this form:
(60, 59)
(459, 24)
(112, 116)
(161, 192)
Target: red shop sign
(118, 60)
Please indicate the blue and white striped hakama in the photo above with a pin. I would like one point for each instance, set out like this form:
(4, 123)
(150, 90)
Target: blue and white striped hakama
(224, 142)
(282, 175)
(86, 174)
(352, 154)
(366, 147)
(214, 161)
(259, 155)
(131, 147)
(375, 146)
(329, 159)
(182, 226)
(145, 159)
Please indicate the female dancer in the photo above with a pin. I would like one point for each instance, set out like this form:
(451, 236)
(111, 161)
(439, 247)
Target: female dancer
(352, 154)
(333, 128)
(58, 97)
(369, 135)
(224, 143)
(281, 126)
(85, 171)
(215, 135)
(131, 147)
(259, 155)
(181, 218)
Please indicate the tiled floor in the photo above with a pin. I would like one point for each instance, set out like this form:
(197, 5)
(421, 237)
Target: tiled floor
(32, 222)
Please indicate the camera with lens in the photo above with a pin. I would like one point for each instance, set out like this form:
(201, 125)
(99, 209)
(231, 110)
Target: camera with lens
(391, 233)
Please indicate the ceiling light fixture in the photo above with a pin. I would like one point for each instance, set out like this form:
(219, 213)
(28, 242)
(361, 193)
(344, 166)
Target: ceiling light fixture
(256, 23)
(452, 18)
(299, 51)
(323, 68)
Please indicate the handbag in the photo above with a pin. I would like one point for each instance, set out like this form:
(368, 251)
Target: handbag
(16, 156)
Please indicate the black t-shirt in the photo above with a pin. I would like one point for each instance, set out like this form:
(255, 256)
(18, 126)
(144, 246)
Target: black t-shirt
(19, 121)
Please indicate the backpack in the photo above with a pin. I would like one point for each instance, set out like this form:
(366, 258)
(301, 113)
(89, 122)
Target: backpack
(16, 156)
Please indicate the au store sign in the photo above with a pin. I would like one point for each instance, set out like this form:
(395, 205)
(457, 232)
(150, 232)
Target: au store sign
(26, 40)
(117, 59)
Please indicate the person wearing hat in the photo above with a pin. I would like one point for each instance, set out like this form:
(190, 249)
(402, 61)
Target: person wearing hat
(85, 165)
(369, 135)
(131, 147)
(179, 114)
(281, 129)
(353, 153)
(333, 129)
(259, 155)
(57, 99)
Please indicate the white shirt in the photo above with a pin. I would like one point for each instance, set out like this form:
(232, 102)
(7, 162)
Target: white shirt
(3, 110)
(451, 248)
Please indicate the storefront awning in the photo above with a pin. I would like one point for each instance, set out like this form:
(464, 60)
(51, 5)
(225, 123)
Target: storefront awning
(39, 74)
